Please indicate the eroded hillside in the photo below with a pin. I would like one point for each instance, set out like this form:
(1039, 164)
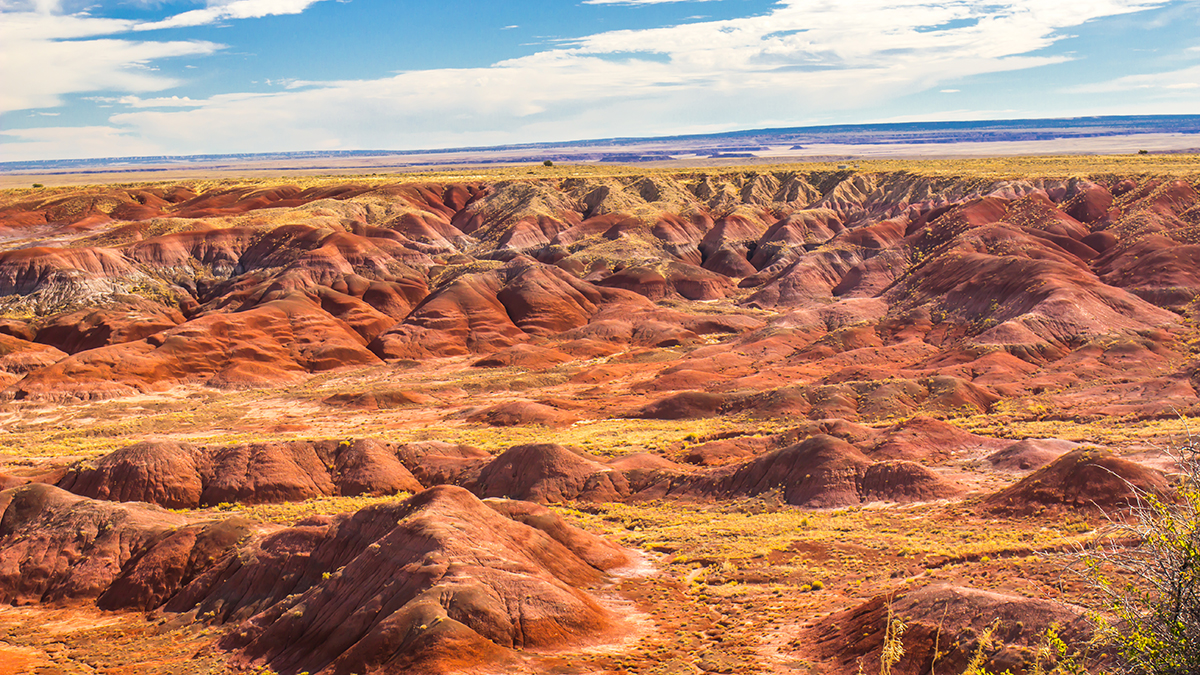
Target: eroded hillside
(941, 375)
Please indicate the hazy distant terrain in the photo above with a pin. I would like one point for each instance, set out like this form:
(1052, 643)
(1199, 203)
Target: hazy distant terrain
(1085, 135)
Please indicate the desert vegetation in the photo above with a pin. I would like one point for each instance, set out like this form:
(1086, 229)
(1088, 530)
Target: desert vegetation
(584, 419)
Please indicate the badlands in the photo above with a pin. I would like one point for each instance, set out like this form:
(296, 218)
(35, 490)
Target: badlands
(583, 420)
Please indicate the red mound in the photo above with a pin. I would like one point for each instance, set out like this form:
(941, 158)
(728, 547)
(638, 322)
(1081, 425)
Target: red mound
(438, 463)
(437, 583)
(164, 473)
(729, 450)
(491, 310)
(57, 546)
(904, 482)
(275, 342)
(368, 466)
(379, 400)
(1030, 454)
(685, 405)
(1043, 295)
(1157, 269)
(925, 439)
(649, 476)
(688, 281)
(519, 413)
(523, 356)
(182, 476)
(1085, 478)
(947, 620)
(125, 320)
(71, 274)
(18, 356)
(823, 472)
(549, 473)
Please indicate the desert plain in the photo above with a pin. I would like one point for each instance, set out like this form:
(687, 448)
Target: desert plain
(584, 419)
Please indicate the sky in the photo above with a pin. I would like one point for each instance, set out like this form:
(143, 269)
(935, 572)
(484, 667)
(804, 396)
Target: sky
(120, 78)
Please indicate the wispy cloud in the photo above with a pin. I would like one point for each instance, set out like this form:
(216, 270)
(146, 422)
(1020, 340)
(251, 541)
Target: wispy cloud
(162, 102)
(637, 2)
(231, 9)
(92, 141)
(48, 54)
(1186, 79)
(801, 59)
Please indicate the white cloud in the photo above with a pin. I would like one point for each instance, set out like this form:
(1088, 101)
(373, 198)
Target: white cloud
(163, 102)
(98, 141)
(48, 54)
(1150, 83)
(230, 9)
(636, 2)
(40, 63)
(802, 59)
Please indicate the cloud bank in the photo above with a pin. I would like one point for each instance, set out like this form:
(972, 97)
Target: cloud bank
(801, 58)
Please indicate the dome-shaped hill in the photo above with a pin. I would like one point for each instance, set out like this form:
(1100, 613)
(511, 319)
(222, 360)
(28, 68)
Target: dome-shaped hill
(822, 472)
(1085, 478)
(943, 625)
(441, 463)
(156, 472)
(367, 466)
(1045, 296)
(684, 405)
(58, 546)
(520, 413)
(440, 582)
(475, 584)
(124, 319)
(384, 399)
(926, 439)
(489, 311)
(1030, 454)
(178, 475)
(275, 342)
(549, 473)
(899, 481)
(649, 476)
(523, 356)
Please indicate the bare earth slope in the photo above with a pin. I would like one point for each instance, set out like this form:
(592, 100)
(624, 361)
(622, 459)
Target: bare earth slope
(298, 413)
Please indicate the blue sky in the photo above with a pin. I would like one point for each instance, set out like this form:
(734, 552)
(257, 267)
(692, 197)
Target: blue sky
(151, 77)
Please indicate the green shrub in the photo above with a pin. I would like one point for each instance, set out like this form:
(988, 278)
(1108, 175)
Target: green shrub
(1146, 569)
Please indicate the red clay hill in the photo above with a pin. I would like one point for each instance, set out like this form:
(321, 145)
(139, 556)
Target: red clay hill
(868, 294)
(728, 343)
(435, 583)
